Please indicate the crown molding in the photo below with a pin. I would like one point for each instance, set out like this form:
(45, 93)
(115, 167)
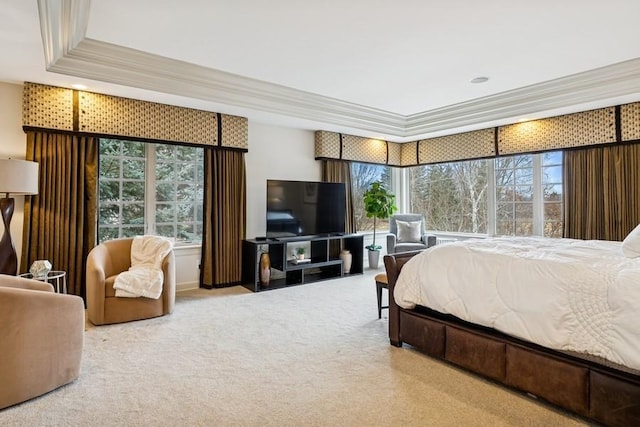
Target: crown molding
(68, 51)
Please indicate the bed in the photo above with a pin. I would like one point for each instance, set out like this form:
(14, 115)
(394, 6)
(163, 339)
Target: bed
(555, 318)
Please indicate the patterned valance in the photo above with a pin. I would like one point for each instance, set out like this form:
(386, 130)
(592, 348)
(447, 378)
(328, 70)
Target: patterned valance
(49, 107)
(596, 127)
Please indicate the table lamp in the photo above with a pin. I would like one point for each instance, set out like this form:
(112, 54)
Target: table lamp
(16, 177)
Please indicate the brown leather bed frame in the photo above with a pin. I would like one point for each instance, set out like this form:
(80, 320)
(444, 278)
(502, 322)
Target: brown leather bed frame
(589, 387)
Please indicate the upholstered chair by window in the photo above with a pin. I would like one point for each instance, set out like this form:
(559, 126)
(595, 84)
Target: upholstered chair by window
(104, 263)
(407, 233)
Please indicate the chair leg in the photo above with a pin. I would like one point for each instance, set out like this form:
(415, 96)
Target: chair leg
(379, 292)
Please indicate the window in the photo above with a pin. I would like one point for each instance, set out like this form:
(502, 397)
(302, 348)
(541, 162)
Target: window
(362, 175)
(150, 189)
(517, 195)
(451, 196)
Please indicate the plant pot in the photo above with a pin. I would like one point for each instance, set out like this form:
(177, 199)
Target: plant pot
(346, 258)
(374, 258)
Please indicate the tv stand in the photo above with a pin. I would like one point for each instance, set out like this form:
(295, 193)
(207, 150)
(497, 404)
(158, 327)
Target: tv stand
(324, 263)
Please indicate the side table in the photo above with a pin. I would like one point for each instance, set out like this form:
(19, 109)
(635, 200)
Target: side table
(57, 278)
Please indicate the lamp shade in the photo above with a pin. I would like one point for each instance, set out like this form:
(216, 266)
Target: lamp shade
(18, 176)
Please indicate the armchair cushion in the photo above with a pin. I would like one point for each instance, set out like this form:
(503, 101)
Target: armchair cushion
(409, 231)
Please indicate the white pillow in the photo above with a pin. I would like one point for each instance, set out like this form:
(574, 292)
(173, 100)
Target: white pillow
(631, 243)
(409, 231)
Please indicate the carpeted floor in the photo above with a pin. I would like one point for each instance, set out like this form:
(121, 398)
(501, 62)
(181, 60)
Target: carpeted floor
(312, 355)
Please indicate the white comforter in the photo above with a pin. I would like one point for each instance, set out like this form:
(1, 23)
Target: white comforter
(563, 294)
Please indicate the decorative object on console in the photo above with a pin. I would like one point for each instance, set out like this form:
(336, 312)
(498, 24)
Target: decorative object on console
(379, 203)
(40, 269)
(265, 269)
(300, 252)
(346, 258)
(16, 177)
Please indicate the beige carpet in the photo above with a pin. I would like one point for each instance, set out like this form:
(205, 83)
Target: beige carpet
(311, 355)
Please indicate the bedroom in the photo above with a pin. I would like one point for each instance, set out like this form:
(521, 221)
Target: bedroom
(266, 141)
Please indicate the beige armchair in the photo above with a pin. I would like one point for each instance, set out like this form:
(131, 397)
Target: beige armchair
(104, 263)
(41, 339)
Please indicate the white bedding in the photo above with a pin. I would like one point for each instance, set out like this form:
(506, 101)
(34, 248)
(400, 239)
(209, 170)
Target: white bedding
(563, 294)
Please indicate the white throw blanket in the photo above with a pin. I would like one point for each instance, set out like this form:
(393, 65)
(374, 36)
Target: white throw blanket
(144, 278)
(563, 294)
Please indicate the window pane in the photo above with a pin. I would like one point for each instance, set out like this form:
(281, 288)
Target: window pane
(553, 212)
(133, 213)
(524, 193)
(184, 212)
(552, 158)
(524, 176)
(131, 231)
(166, 230)
(133, 149)
(165, 192)
(524, 211)
(552, 193)
(505, 212)
(165, 212)
(109, 214)
(165, 171)
(133, 169)
(109, 191)
(164, 151)
(109, 167)
(132, 191)
(551, 174)
(523, 228)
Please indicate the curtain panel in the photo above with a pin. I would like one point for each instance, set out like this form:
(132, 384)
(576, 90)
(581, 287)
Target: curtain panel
(60, 221)
(224, 222)
(340, 171)
(602, 192)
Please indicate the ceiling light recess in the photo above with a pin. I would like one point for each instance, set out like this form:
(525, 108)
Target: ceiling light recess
(480, 79)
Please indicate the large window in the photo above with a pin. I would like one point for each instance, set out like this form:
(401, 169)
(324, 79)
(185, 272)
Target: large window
(517, 195)
(362, 175)
(150, 189)
(451, 196)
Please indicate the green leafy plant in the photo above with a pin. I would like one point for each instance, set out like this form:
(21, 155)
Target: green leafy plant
(379, 203)
(300, 250)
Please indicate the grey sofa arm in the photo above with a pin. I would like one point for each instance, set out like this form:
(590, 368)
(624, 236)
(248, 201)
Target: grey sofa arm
(391, 243)
(429, 239)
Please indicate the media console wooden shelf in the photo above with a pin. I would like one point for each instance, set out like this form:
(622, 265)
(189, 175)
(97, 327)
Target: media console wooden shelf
(324, 264)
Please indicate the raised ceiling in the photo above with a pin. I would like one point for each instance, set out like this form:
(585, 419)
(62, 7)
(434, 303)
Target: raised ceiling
(395, 70)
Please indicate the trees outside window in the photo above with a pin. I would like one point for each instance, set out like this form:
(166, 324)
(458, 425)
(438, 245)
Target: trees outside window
(362, 176)
(149, 188)
(525, 191)
(451, 196)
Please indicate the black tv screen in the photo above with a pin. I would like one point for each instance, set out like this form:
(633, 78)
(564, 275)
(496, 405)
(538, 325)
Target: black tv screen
(305, 208)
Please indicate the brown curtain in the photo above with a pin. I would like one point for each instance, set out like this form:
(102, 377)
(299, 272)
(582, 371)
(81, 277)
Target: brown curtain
(340, 171)
(602, 192)
(224, 218)
(60, 222)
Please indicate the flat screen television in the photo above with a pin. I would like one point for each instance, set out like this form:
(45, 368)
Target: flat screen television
(305, 208)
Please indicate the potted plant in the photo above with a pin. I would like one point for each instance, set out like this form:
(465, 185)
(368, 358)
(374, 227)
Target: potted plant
(379, 203)
(300, 251)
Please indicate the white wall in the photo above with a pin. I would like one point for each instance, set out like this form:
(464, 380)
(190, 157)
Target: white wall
(12, 145)
(275, 152)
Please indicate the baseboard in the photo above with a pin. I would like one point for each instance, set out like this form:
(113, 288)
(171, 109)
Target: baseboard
(186, 286)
